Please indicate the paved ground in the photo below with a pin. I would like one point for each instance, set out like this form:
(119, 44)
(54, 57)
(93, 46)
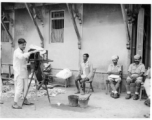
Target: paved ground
(100, 106)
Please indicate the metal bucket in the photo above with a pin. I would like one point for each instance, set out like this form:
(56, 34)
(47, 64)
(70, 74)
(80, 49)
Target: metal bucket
(73, 100)
(83, 103)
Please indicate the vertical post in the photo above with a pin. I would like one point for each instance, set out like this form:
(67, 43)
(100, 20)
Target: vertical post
(140, 32)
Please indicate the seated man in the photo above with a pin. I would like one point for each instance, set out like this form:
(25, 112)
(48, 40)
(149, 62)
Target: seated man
(114, 71)
(135, 75)
(147, 86)
(86, 73)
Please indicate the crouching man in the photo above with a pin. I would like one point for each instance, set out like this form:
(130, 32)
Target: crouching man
(20, 72)
(114, 71)
(86, 73)
(135, 75)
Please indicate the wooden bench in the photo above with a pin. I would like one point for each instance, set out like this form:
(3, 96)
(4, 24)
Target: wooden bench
(9, 67)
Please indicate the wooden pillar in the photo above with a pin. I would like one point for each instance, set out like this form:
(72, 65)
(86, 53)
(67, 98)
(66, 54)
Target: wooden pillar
(134, 34)
(148, 44)
(140, 32)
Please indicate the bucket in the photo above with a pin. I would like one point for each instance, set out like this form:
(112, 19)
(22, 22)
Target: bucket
(83, 103)
(73, 100)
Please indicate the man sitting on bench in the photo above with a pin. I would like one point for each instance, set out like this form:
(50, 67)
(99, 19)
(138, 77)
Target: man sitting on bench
(114, 71)
(86, 73)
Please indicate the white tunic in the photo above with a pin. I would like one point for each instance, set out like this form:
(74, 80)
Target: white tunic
(19, 64)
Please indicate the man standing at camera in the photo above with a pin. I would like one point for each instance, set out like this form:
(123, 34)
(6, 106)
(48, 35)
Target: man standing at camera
(20, 72)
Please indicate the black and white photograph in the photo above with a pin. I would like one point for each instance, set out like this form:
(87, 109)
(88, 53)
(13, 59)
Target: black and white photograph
(78, 59)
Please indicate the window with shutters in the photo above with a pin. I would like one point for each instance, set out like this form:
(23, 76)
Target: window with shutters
(57, 26)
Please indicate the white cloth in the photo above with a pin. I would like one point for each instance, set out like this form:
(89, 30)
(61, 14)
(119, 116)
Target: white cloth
(20, 64)
(116, 77)
(38, 48)
(20, 85)
(64, 74)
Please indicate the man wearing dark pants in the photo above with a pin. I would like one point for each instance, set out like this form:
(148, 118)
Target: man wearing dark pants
(85, 73)
(135, 75)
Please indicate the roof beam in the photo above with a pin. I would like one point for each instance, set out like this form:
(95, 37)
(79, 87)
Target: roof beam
(36, 25)
(75, 25)
(126, 24)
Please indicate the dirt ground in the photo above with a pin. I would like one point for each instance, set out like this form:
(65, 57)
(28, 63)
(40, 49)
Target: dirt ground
(100, 106)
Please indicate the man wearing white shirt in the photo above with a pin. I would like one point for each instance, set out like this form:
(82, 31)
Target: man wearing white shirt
(85, 73)
(114, 71)
(20, 72)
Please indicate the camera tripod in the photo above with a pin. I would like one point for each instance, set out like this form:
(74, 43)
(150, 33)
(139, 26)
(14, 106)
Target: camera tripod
(42, 81)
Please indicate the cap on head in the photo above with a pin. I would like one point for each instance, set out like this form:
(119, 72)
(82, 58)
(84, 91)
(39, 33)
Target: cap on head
(115, 58)
(21, 41)
(137, 57)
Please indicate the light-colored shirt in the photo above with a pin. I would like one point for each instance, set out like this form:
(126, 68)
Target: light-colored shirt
(86, 70)
(136, 69)
(113, 68)
(20, 64)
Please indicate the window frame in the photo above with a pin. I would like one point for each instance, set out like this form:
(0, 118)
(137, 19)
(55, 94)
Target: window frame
(51, 19)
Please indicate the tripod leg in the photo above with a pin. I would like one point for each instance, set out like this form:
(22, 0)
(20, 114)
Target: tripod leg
(28, 88)
(48, 94)
(35, 93)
